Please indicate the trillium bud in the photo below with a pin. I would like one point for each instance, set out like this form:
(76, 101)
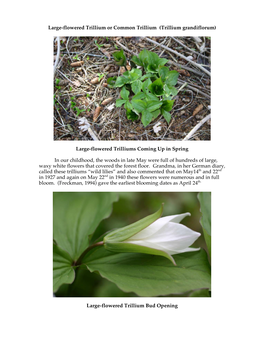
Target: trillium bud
(153, 235)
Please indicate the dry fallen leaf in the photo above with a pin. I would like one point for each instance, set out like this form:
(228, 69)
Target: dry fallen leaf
(107, 100)
(108, 67)
(197, 109)
(184, 72)
(122, 69)
(80, 63)
(77, 83)
(111, 107)
(96, 113)
(95, 80)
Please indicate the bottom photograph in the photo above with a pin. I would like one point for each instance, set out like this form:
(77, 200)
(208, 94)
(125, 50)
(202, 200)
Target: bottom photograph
(131, 244)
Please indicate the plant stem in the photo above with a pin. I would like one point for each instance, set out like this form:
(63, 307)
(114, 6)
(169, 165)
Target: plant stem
(79, 260)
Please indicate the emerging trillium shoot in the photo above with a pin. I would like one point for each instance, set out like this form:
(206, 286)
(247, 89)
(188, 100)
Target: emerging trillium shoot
(153, 235)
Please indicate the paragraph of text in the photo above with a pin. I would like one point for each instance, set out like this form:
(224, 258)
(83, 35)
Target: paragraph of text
(129, 172)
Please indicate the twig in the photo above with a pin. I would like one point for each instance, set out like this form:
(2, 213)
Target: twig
(183, 86)
(187, 48)
(180, 55)
(92, 134)
(194, 89)
(125, 48)
(58, 54)
(197, 127)
(171, 62)
(66, 77)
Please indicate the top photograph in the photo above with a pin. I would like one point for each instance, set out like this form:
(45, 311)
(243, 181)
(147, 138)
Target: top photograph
(132, 88)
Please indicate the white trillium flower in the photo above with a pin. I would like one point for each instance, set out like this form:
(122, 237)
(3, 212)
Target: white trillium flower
(153, 235)
(166, 234)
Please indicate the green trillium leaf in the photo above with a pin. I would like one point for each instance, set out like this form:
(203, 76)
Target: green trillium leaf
(146, 117)
(131, 115)
(63, 273)
(140, 95)
(167, 105)
(76, 215)
(166, 115)
(136, 86)
(155, 113)
(127, 247)
(200, 293)
(122, 80)
(151, 275)
(120, 58)
(128, 105)
(170, 90)
(149, 60)
(139, 105)
(75, 218)
(151, 97)
(148, 93)
(137, 61)
(126, 232)
(163, 72)
(124, 93)
(172, 78)
(145, 85)
(205, 202)
(135, 73)
(157, 87)
(111, 81)
(153, 105)
(120, 102)
(147, 75)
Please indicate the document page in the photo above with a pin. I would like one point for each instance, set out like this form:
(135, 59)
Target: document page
(132, 182)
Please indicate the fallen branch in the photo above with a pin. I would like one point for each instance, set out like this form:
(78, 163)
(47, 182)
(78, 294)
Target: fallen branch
(198, 126)
(58, 54)
(194, 89)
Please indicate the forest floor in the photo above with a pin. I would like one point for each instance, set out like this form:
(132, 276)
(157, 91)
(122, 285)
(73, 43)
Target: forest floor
(82, 66)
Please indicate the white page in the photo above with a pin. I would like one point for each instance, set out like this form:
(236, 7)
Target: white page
(27, 141)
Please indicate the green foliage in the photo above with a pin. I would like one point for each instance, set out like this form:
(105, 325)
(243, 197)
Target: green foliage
(111, 82)
(100, 76)
(148, 275)
(75, 218)
(78, 266)
(119, 58)
(57, 83)
(78, 111)
(153, 87)
(205, 202)
(75, 108)
(98, 45)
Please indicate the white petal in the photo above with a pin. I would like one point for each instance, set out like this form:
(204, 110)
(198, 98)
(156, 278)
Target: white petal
(157, 225)
(176, 235)
(188, 249)
(172, 238)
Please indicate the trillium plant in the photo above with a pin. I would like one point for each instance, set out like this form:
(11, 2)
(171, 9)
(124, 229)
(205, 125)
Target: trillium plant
(147, 90)
(150, 257)
(164, 237)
